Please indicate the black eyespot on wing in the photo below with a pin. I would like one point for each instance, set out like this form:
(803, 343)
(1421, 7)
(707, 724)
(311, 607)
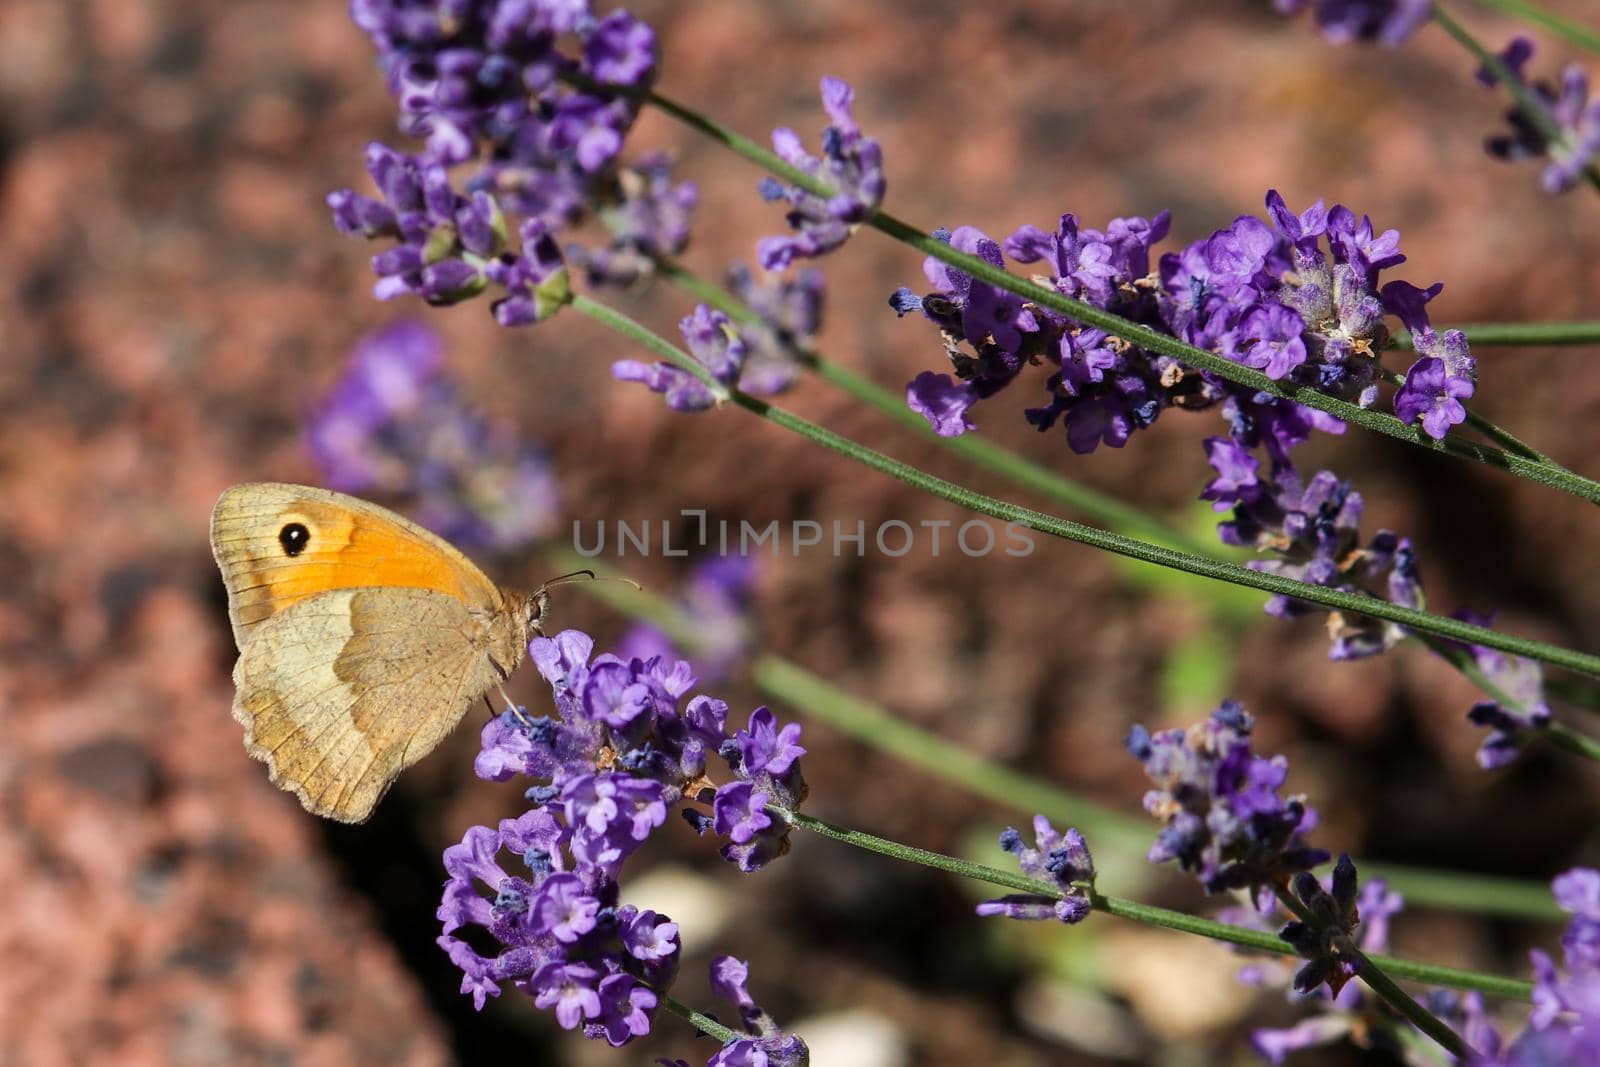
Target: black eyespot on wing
(294, 538)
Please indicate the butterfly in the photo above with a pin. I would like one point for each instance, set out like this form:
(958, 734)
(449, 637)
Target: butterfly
(363, 639)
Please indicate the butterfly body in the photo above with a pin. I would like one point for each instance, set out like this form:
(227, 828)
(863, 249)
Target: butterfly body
(363, 639)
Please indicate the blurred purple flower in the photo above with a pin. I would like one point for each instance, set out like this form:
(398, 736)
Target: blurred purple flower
(1519, 714)
(394, 425)
(1389, 22)
(649, 218)
(788, 310)
(716, 599)
(714, 343)
(1568, 107)
(1298, 296)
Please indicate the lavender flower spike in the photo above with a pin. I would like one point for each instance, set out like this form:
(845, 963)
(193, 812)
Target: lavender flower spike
(623, 751)
(715, 344)
(767, 1045)
(1062, 858)
(1222, 818)
(851, 165)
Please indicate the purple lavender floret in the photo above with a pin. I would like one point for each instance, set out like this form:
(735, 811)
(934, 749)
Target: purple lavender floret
(1062, 858)
(1388, 22)
(767, 1045)
(1298, 297)
(393, 424)
(622, 751)
(1223, 819)
(1311, 531)
(1564, 1026)
(1326, 941)
(851, 165)
(1567, 106)
(788, 310)
(1520, 714)
(715, 344)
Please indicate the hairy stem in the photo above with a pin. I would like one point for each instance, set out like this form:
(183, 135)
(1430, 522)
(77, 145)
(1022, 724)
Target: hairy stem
(1260, 940)
(1219, 570)
(1547, 474)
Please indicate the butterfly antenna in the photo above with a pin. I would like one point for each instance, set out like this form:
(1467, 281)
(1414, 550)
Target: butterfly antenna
(515, 711)
(586, 576)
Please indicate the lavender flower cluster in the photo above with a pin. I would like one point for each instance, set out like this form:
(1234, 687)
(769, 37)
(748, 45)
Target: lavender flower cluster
(521, 139)
(1223, 818)
(1565, 1024)
(764, 353)
(394, 424)
(621, 753)
(851, 165)
(1298, 298)
(486, 86)
(1312, 532)
(1225, 821)
(1563, 1028)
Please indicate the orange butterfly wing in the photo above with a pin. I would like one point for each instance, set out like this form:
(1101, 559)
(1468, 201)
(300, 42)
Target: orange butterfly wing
(278, 544)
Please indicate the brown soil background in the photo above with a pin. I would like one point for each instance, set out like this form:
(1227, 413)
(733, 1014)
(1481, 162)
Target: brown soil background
(172, 298)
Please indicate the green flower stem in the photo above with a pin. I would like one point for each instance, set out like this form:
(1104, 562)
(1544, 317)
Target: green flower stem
(1029, 475)
(1547, 474)
(868, 723)
(1574, 32)
(699, 1020)
(1518, 334)
(1125, 546)
(872, 725)
(1381, 984)
(972, 447)
(1259, 940)
(1570, 740)
(878, 728)
(1527, 103)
